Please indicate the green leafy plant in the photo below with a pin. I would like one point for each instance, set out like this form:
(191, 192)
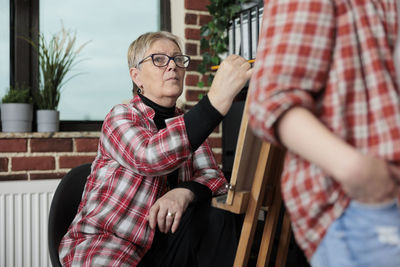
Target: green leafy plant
(18, 94)
(57, 57)
(214, 40)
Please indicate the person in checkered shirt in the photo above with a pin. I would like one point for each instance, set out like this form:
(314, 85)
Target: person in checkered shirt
(325, 87)
(147, 200)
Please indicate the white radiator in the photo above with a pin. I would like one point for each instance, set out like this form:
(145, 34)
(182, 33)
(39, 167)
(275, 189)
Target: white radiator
(24, 209)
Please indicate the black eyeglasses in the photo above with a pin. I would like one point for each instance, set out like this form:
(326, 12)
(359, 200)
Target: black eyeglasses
(162, 60)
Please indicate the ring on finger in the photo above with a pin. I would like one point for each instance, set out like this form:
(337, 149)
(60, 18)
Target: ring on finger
(170, 214)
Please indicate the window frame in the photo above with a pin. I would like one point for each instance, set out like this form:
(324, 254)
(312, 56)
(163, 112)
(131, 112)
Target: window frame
(24, 65)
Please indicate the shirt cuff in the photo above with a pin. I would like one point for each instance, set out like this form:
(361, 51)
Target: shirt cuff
(201, 192)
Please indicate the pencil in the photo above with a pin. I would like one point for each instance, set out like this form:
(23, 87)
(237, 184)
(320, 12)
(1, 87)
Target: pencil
(217, 66)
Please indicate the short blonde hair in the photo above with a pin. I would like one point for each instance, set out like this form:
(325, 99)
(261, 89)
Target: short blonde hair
(138, 48)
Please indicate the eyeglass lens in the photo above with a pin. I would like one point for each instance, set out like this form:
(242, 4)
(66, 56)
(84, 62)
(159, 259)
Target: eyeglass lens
(161, 60)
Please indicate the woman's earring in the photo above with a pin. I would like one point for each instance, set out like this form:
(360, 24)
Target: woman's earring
(140, 90)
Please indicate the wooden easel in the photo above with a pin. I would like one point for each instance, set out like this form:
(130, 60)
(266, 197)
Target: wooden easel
(254, 185)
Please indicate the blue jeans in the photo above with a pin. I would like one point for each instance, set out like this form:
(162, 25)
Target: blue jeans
(365, 235)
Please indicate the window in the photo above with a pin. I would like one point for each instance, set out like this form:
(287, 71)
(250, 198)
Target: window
(4, 46)
(103, 76)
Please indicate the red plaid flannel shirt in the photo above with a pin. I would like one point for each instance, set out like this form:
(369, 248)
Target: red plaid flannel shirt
(128, 176)
(335, 58)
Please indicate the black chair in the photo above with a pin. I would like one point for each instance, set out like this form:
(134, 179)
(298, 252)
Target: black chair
(64, 206)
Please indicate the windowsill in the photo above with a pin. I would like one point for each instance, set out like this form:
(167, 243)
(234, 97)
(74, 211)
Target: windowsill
(50, 135)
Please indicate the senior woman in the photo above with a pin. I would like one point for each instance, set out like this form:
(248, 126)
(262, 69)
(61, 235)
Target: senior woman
(146, 201)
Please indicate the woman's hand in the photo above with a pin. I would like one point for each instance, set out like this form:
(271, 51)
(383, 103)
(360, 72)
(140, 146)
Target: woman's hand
(372, 180)
(230, 78)
(167, 211)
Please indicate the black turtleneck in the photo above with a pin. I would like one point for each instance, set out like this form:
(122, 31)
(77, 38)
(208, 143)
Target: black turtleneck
(161, 113)
(200, 121)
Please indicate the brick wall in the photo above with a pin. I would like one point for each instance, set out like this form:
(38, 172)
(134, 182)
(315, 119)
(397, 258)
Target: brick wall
(32, 156)
(196, 15)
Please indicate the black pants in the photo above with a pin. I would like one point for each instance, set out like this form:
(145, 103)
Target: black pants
(206, 237)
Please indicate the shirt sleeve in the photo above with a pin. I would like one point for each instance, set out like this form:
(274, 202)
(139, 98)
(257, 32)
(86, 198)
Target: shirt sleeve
(200, 121)
(125, 139)
(293, 61)
(201, 192)
(206, 170)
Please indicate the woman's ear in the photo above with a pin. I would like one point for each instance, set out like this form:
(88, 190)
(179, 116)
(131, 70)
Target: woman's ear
(135, 76)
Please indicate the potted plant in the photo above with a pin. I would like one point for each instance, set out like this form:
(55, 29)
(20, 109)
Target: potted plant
(16, 110)
(57, 56)
(214, 38)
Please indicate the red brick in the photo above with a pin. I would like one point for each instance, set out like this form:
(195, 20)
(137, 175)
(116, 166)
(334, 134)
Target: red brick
(204, 79)
(216, 130)
(73, 161)
(184, 107)
(218, 157)
(51, 145)
(197, 4)
(204, 19)
(194, 95)
(3, 164)
(193, 65)
(190, 19)
(215, 142)
(192, 34)
(13, 177)
(13, 145)
(188, 106)
(86, 144)
(191, 49)
(191, 80)
(202, 51)
(40, 176)
(32, 163)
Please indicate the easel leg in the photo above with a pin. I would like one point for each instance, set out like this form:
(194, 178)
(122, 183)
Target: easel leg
(253, 208)
(269, 229)
(283, 242)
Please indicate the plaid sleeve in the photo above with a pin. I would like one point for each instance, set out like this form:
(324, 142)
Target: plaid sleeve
(293, 59)
(137, 148)
(206, 170)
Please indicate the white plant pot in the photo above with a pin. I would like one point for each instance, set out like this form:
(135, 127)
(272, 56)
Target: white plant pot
(16, 117)
(48, 120)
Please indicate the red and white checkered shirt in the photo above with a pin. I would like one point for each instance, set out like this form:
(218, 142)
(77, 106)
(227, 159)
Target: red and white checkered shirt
(335, 58)
(128, 175)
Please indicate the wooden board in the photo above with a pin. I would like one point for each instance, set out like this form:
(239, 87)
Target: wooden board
(243, 170)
